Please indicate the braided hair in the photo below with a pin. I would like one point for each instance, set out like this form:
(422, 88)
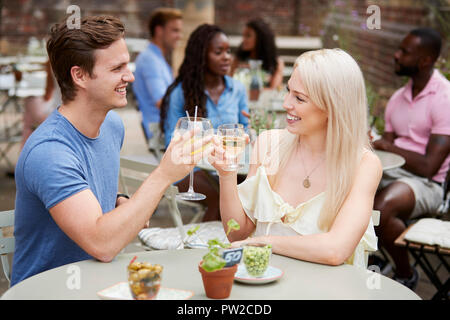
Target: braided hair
(192, 73)
(265, 46)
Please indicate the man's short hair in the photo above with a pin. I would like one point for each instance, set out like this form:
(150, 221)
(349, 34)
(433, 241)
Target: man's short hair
(430, 41)
(68, 47)
(161, 16)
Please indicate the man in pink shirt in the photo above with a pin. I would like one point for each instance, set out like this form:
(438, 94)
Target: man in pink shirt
(417, 127)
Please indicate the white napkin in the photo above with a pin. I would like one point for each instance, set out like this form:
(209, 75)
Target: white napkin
(430, 231)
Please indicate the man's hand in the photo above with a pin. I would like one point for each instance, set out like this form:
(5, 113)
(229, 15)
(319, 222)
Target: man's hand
(245, 114)
(120, 201)
(382, 144)
(183, 153)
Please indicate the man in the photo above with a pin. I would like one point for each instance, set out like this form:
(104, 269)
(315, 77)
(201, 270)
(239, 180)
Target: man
(67, 208)
(417, 127)
(153, 72)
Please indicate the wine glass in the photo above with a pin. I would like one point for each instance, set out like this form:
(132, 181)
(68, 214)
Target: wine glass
(232, 137)
(205, 127)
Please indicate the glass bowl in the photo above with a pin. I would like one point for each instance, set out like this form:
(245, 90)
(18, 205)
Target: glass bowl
(144, 280)
(256, 258)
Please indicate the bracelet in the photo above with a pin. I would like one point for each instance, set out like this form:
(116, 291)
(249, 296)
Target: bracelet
(122, 195)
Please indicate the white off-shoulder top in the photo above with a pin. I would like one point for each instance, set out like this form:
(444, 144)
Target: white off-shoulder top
(266, 208)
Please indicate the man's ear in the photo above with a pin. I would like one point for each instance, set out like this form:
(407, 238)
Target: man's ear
(425, 61)
(79, 76)
(158, 31)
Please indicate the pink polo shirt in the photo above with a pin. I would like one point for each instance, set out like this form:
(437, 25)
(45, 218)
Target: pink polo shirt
(414, 120)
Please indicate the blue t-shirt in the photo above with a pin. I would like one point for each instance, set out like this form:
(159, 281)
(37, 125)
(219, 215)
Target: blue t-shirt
(152, 77)
(227, 110)
(57, 162)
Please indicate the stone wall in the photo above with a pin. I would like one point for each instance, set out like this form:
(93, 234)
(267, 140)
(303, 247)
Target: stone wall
(24, 19)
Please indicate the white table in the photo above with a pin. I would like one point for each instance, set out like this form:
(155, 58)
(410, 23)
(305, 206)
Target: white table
(301, 280)
(390, 160)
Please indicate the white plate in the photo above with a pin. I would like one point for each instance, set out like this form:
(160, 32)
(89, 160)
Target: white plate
(271, 274)
(121, 291)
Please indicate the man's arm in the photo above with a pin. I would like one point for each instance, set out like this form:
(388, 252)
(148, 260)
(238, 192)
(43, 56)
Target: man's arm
(426, 165)
(104, 235)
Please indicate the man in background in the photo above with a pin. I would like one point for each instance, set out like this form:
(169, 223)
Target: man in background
(153, 71)
(417, 127)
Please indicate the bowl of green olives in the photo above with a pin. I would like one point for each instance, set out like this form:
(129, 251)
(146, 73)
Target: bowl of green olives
(144, 279)
(256, 258)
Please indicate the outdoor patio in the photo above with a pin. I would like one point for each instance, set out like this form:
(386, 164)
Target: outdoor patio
(299, 26)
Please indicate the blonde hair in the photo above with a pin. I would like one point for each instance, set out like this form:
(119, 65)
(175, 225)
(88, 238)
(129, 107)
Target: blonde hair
(334, 83)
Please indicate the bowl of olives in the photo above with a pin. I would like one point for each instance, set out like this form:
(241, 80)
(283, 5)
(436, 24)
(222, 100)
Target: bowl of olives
(144, 279)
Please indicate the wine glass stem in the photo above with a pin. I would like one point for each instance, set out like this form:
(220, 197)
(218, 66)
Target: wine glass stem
(191, 182)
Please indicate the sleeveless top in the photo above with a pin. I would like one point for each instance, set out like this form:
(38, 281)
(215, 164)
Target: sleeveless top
(266, 208)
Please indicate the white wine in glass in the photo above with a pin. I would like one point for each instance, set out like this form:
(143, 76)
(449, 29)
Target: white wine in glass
(204, 129)
(232, 137)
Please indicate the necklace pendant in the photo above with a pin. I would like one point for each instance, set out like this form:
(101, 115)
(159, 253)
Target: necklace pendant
(306, 183)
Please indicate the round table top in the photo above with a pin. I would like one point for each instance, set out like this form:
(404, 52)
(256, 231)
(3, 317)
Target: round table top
(301, 280)
(390, 160)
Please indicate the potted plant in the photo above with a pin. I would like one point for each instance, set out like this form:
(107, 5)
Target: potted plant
(218, 266)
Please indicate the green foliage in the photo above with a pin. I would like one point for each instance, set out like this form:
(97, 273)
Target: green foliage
(443, 66)
(262, 120)
(375, 120)
(212, 261)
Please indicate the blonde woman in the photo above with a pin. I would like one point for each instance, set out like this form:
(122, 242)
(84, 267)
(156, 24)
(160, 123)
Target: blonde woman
(310, 187)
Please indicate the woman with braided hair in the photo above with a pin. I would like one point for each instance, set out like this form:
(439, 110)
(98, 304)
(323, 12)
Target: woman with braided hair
(203, 81)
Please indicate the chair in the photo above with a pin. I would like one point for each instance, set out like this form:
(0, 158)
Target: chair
(6, 243)
(156, 143)
(10, 126)
(376, 222)
(430, 257)
(133, 171)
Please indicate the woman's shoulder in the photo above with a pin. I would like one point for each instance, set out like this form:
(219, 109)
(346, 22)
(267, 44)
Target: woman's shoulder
(177, 93)
(234, 83)
(370, 158)
(370, 166)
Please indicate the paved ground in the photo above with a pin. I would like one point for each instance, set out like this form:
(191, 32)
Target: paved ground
(134, 143)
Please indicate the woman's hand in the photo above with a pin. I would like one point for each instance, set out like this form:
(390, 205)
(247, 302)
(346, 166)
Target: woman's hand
(241, 243)
(219, 159)
(238, 244)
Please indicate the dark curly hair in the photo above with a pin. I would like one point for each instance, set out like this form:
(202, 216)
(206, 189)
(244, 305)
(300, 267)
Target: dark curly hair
(266, 49)
(191, 73)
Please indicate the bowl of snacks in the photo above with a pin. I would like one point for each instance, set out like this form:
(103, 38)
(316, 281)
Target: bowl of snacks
(144, 279)
(256, 257)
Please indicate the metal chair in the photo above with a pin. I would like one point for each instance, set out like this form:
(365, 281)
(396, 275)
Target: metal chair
(10, 123)
(6, 243)
(134, 171)
(156, 143)
(431, 258)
